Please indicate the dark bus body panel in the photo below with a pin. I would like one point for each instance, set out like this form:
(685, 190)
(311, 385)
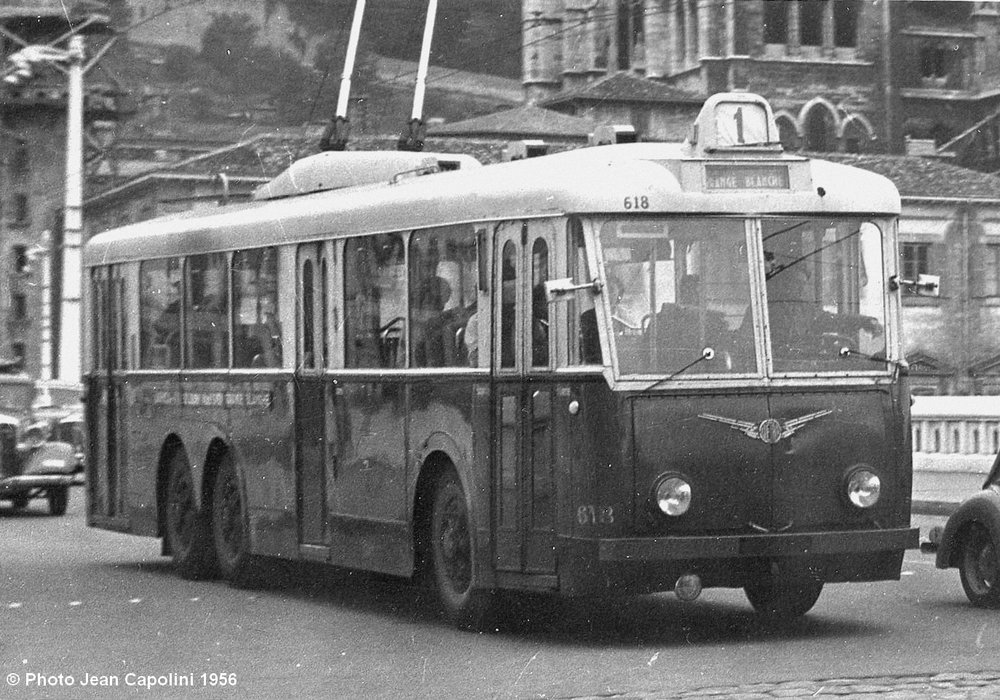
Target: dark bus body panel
(623, 369)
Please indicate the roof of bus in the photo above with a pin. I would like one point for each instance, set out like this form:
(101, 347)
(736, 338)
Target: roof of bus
(595, 180)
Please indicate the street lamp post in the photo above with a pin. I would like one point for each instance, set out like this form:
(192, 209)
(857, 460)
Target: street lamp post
(70, 342)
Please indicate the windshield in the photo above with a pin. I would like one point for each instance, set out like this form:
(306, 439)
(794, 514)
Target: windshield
(825, 296)
(680, 300)
(679, 290)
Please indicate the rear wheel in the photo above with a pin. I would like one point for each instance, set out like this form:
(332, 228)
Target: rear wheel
(188, 530)
(979, 567)
(58, 500)
(783, 598)
(20, 502)
(228, 530)
(452, 556)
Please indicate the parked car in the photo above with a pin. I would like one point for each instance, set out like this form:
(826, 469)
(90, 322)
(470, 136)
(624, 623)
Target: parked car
(971, 542)
(70, 429)
(32, 466)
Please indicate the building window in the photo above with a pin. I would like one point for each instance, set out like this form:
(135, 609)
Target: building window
(20, 161)
(19, 259)
(631, 30)
(19, 306)
(991, 270)
(18, 349)
(811, 22)
(21, 209)
(915, 259)
(776, 22)
(845, 23)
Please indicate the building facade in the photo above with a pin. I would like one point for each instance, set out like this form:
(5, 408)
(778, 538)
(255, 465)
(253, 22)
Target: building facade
(33, 138)
(842, 75)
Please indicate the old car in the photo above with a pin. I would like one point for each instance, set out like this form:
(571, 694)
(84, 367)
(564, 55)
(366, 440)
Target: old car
(32, 466)
(971, 542)
(70, 429)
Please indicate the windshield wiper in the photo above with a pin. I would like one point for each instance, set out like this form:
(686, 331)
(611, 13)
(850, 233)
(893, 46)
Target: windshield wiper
(781, 268)
(707, 353)
(848, 352)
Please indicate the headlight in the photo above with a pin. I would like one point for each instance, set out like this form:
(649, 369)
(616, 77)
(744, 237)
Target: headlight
(672, 495)
(863, 487)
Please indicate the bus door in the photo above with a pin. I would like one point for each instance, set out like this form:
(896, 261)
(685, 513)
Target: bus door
(523, 481)
(108, 387)
(312, 350)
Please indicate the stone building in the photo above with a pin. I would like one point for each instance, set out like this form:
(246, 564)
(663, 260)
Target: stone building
(949, 226)
(32, 172)
(842, 75)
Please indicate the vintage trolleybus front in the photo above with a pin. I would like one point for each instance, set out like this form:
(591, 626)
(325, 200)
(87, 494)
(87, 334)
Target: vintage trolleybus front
(628, 368)
(758, 404)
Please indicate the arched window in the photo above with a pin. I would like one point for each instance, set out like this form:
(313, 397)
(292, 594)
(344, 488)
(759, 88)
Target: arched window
(819, 130)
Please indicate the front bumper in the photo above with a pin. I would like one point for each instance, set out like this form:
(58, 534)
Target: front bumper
(661, 549)
(595, 566)
(13, 485)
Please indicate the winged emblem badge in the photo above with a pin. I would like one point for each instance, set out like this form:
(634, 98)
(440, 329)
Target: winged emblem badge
(770, 430)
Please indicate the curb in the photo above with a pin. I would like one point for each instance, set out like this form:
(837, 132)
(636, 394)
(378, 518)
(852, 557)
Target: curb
(944, 508)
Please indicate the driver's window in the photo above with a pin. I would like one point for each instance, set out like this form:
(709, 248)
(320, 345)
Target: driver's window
(375, 301)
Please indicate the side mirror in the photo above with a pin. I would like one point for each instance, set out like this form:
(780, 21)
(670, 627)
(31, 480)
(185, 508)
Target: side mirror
(556, 289)
(924, 285)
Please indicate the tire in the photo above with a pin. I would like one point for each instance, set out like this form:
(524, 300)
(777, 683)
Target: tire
(188, 529)
(58, 500)
(20, 502)
(229, 533)
(783, 599)
(979, 567)
(452, 557)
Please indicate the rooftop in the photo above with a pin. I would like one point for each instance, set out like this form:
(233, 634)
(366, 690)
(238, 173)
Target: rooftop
(626, 87)
(916, 176)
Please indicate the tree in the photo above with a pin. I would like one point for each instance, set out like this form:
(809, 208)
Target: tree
(229, 46)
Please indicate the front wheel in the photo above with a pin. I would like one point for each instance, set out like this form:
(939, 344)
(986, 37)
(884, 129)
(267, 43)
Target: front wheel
(228, 531)
(58, 500)
(979, 567)
(452, 556)
(188, 533)
(783, 598)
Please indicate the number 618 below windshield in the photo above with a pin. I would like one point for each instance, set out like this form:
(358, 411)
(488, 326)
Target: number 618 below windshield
(682, 296)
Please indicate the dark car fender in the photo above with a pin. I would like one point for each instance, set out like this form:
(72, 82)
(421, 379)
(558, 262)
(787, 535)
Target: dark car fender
(983, 507)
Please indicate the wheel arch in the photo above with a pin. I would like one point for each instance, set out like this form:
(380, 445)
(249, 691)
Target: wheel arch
(171, 444)
(440, 455)
(983, 508)
(216, 450)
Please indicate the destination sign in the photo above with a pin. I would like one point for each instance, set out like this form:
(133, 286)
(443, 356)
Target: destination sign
(744, 177)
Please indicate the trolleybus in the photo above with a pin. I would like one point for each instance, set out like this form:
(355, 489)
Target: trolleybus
(620, 369)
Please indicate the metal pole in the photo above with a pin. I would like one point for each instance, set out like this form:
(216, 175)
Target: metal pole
(338, 130)
(352, 51)
(425, 59)
(70, 345)
(44, 396)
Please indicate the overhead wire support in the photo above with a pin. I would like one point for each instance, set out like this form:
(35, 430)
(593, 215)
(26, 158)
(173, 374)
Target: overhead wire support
(337, 132)
(412, 139)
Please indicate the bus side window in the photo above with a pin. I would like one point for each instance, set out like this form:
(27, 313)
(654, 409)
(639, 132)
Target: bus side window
(584, 342)
(206, 322)
(375, 301)
(256, 324)
(539, 304)
(159, 314)
(443, 293)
